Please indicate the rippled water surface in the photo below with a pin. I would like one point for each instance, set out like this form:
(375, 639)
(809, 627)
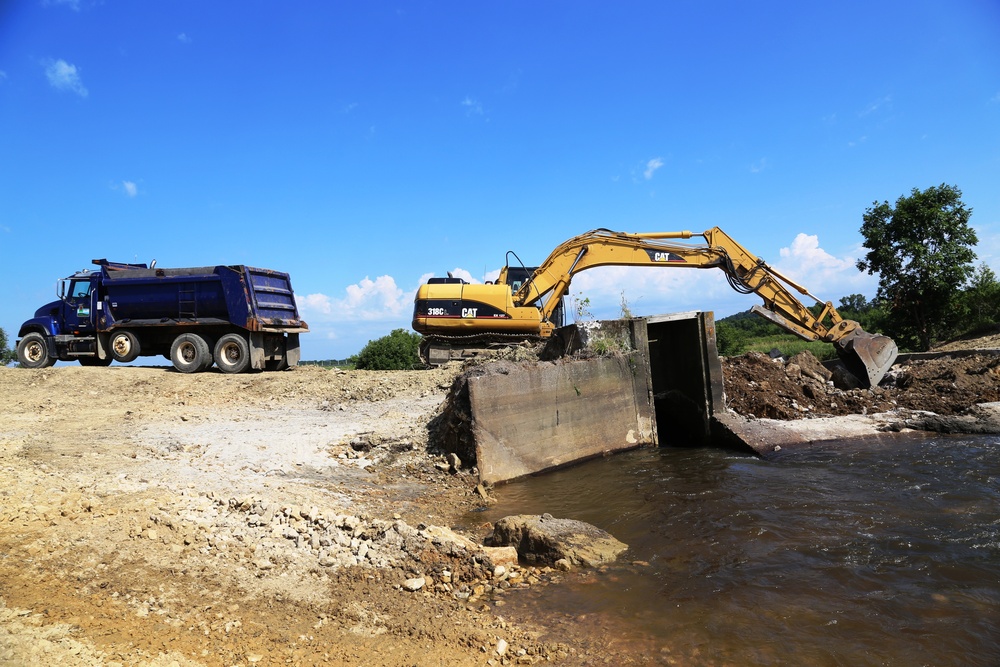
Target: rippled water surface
(884, 552)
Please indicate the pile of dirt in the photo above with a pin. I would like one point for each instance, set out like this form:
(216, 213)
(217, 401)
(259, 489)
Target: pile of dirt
(759, 386)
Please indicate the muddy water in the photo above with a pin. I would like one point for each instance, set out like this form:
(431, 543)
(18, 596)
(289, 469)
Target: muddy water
(878, 553)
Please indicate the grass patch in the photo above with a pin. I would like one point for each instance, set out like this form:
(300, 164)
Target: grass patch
(790, 345)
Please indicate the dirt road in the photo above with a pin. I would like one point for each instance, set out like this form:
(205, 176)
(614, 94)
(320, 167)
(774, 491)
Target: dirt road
(153, 518)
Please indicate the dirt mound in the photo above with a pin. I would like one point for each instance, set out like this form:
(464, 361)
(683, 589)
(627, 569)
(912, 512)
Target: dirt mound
(759, 386)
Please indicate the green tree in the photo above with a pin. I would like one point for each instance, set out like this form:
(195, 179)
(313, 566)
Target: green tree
(730, 339)
(922, 250)
(854, 303)
(6, 355)
(395, 352)
(981, 301)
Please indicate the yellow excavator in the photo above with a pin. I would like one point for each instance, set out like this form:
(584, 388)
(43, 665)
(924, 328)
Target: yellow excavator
(457, 318)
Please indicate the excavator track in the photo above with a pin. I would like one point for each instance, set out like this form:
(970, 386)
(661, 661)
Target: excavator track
(438, 349)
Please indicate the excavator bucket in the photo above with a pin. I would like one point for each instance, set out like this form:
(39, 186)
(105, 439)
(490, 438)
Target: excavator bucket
(867, 356)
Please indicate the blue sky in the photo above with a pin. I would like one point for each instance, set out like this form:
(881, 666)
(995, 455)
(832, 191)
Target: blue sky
(362, 146)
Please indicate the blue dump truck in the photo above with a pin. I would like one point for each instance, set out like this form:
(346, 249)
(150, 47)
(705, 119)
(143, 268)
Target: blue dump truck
(238, 317)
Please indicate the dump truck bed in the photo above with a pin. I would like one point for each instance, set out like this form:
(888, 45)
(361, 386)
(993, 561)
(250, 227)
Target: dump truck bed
(252, 298)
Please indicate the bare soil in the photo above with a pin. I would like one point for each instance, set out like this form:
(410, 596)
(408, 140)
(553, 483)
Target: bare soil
(759, 386)
(153, 518)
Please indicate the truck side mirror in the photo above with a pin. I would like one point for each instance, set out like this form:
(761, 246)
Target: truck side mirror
(61, 289)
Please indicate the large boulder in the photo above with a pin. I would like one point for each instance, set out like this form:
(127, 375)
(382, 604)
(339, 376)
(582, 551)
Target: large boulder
(546, 540)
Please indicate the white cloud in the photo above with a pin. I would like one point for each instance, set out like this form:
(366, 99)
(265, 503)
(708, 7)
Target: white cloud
(988, 248)
(758, 166)
(654, 290)
(472, 106)
(183, 38)
(130, 188)
(824, 275)
(64, 76)
(3, 75)
(804, 254)
(378, 299)
(463, 274)
(651, 168)
(318, 303)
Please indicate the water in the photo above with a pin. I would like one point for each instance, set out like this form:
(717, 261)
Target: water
(884, 552)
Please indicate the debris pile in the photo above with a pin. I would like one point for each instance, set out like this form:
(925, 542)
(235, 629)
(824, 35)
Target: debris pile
(801, 387)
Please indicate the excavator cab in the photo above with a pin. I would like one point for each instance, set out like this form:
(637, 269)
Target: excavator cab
(518, 275)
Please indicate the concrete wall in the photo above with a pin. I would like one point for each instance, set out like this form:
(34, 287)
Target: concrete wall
(535, 417)
(551, 414)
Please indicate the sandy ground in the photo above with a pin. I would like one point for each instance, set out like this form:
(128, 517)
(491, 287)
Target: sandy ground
(153, 518)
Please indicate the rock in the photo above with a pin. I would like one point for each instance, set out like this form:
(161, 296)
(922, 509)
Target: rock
(500, 556)
(414, 584)
(810, 366)
(843, 379)
(545, 539)
(502, 647)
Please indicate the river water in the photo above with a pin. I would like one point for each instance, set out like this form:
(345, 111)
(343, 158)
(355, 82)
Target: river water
(877, 552)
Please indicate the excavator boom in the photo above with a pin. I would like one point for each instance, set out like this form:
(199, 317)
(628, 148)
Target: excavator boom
(453, 313)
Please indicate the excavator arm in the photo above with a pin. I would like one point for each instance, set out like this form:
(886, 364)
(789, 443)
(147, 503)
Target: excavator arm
(867, 356)
(453, 314)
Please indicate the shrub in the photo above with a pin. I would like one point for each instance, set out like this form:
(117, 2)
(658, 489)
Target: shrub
(395, 352)
(6, 355)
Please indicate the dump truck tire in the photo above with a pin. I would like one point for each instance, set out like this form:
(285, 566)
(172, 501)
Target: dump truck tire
(33, 352)
(232, 354)
(124, 346)
(190, 353)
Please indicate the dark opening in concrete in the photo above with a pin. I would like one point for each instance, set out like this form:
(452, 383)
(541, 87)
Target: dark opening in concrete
(686, 376)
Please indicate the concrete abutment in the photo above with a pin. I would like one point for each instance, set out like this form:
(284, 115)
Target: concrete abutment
(656, 381)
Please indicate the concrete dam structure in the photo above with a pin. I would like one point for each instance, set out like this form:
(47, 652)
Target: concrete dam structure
(658, 381)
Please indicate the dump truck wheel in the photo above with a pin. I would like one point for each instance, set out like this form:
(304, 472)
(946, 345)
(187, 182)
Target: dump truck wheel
(190, 354)
(32, 352)
(124, 346)
(232, 354)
